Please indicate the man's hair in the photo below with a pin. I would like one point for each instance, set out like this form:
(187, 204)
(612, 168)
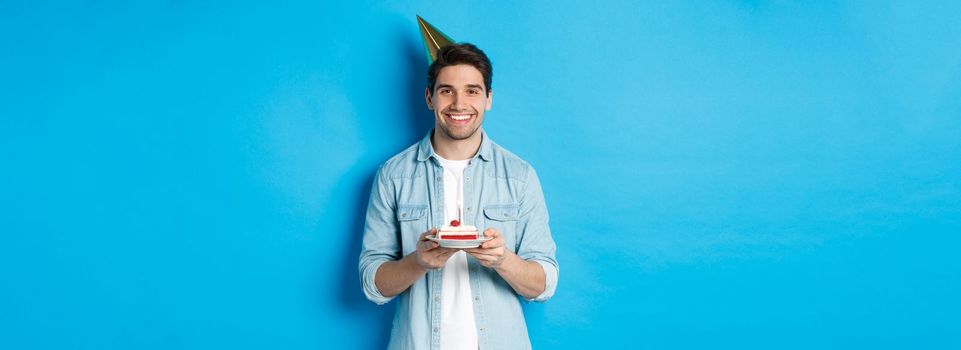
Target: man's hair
(455, 54)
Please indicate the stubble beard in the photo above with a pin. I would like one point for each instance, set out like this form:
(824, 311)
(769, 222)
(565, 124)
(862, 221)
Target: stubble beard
(459, 136)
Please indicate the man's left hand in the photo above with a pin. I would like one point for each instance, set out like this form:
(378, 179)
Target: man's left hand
(491, 253)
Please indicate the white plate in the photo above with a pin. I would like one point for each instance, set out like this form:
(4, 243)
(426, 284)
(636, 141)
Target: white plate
(459, 243)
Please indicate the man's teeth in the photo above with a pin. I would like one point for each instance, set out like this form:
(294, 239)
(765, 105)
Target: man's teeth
(459, 117)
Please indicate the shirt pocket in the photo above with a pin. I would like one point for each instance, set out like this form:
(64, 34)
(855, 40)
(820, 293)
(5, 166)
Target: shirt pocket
(412, 219)
(411, 212)
(503, 217)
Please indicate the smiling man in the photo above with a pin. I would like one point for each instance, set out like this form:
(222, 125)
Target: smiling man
(457, 298)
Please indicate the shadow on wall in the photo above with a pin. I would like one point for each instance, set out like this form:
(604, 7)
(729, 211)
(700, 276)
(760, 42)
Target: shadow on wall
(356, 184)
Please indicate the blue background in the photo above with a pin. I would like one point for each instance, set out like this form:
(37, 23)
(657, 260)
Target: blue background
(720, 174)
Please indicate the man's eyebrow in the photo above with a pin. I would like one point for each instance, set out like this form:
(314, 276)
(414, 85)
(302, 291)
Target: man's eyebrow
(469, 86)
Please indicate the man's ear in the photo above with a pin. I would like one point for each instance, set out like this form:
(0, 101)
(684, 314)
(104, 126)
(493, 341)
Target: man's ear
(490, 99)
(427, 98)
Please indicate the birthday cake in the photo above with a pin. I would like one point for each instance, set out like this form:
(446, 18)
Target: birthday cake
(458, 232)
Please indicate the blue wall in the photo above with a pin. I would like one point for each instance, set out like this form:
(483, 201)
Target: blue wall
(720, 174)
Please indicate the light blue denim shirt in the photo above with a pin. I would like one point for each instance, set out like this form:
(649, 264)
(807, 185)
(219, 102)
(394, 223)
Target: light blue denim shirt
(407, 198)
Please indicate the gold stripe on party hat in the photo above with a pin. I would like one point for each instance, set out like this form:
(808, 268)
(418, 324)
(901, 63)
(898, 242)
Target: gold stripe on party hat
(434, 39)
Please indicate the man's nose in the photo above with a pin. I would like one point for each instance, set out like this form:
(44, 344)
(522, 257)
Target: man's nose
(456, 101)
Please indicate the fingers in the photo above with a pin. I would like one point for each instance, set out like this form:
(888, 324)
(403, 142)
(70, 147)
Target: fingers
(484, 254)
(433, 248)
(440, 256)
(492, 244)
(496, 241)
(479, 253)
(434, 258)
(447, 252)
(492, 252)
(426, 245)
(442, 250)
(431, 232)
(478, 250)
(488, 260)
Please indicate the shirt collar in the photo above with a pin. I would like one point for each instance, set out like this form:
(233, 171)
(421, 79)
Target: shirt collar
(426, 148)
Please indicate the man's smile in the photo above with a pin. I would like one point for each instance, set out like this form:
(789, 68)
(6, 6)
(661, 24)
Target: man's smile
(459, 118)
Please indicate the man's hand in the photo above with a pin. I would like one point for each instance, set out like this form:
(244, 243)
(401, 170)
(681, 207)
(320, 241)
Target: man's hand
(526, 277)
(430, 255)
(394, 277)
(491, 253)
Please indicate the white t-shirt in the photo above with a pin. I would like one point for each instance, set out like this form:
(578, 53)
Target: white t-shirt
(457, 327)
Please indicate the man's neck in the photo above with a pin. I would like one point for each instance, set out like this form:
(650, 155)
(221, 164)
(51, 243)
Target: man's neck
(456, 149)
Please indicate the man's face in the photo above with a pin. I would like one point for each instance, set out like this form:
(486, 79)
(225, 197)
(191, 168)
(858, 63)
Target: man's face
(459, 101)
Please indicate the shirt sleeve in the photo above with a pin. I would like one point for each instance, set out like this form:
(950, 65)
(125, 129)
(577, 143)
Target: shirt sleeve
(381, 242)
(536, 243)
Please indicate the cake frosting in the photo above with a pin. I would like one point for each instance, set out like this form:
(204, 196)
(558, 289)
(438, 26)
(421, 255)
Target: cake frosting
(457, 231)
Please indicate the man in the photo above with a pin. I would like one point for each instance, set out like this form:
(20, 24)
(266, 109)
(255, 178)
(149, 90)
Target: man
(457, 298)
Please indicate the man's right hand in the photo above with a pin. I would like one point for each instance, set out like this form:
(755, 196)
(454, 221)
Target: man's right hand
(430, 255)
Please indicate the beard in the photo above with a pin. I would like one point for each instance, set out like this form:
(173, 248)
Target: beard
(459, 134)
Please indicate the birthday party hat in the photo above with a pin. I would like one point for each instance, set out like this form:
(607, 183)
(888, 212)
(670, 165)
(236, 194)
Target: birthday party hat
(434, 39)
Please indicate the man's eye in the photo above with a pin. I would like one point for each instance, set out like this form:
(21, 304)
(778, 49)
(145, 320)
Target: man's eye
(472, 92)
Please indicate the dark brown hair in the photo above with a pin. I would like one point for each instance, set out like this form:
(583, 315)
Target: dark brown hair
(464, 53)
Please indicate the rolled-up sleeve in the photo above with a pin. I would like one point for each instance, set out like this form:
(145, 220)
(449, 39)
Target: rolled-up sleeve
(380, 242)
(536, 243)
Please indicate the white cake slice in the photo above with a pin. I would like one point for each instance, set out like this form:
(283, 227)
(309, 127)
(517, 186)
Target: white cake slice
(457, 231)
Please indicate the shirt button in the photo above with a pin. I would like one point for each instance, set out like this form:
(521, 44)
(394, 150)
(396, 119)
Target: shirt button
(477, 298)
(436, 298)
(482, 329)
(435, 329)
(468, 178)
(468, 208)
